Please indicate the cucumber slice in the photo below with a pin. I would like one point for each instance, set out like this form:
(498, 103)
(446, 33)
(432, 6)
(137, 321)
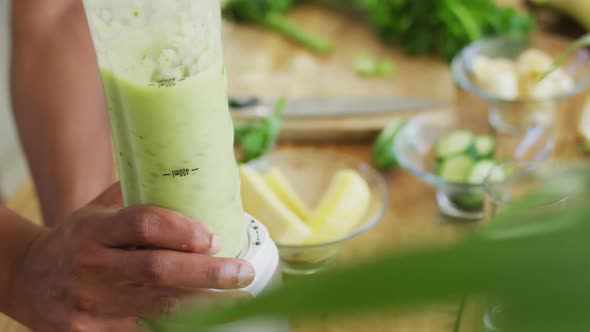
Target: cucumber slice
(457, 142)
(456, 169)
(468, 201)
(485, 146)
(480, 171)
(500, 175)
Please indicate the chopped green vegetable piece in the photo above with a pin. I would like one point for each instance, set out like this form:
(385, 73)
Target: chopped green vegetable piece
(366, 65)
(456, 169)
(471, 201)
(385, 68)
(383, 151)
(485, 146)
(456, 142)
(480, 172)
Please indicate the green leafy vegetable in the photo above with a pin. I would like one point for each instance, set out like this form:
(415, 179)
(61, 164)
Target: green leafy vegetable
(270, 14)
(424, 27)
(538, 267)
(442, 27)
(255, 140)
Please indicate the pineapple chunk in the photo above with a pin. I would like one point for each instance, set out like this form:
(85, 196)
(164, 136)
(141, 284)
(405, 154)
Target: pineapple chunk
(533, 62)
(341, 208)
(260, 202)
(497, 76)
(277, 182)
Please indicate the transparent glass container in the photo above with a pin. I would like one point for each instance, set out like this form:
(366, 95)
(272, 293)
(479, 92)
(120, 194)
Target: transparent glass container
(310, 172)
(164, 78)
(515, 116)
(549, 188)
(414, 148)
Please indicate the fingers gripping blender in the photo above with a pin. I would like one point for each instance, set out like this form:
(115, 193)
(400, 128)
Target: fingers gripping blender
(164, 79)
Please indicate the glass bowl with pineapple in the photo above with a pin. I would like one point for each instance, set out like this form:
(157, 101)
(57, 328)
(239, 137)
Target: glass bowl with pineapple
(523, 80)
(312, 202)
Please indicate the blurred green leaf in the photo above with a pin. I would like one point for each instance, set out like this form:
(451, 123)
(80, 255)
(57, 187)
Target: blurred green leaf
(539, 268)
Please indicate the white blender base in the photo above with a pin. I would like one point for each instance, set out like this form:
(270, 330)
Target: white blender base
(263, 254)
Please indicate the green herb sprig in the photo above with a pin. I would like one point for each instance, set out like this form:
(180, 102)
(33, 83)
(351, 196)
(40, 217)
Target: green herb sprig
(271, 14)
(581, 42)
(257, 139)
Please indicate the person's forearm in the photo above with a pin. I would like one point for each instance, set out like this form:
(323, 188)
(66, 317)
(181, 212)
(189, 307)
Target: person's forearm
(58, 105)
(16, 234)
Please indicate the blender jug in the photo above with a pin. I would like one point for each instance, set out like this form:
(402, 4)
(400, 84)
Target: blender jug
(164, 78)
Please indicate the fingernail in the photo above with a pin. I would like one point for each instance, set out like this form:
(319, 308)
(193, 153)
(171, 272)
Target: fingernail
(246, 275)
(215, 244)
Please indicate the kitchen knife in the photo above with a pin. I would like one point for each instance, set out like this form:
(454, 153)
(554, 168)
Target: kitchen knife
(326, 107)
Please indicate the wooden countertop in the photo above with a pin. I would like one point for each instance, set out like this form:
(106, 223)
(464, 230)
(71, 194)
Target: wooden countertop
(275, 66)
(412, 217)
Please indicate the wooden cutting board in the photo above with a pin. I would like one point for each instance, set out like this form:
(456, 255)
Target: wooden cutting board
(265, 64)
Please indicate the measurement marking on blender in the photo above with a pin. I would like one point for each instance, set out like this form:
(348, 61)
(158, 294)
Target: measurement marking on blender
(255, 227)
(183, 172)
(164, 83)
(258, 243)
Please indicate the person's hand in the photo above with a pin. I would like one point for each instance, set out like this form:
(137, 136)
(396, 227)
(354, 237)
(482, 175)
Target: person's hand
(86, 275)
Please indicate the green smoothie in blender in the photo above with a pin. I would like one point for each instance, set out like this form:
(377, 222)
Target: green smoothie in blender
(165, 84)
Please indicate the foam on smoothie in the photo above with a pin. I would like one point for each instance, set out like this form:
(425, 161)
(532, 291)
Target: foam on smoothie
(165, 85)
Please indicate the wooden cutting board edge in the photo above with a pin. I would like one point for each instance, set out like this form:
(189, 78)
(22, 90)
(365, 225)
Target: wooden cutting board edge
(346, 129)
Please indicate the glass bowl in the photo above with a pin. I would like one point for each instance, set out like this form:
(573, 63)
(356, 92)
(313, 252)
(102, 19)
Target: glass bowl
(309, 172)
(547, 185)
(507, 115)
(414, 148)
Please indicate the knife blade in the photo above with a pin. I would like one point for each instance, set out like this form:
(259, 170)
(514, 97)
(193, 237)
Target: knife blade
(326, 107)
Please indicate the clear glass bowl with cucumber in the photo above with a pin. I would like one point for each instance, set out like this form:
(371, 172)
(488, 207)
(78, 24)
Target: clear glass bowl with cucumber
(455, 158)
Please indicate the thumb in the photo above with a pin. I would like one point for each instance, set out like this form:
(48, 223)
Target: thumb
(112, 197)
